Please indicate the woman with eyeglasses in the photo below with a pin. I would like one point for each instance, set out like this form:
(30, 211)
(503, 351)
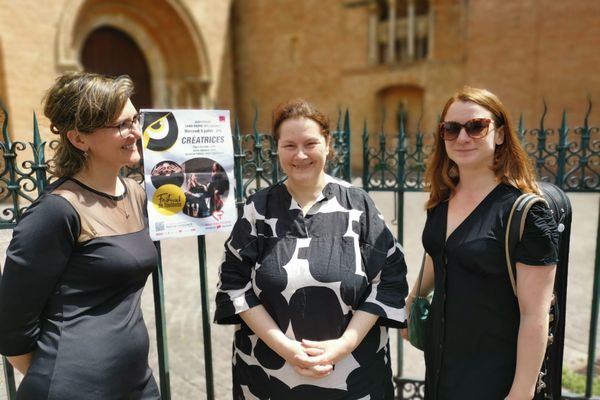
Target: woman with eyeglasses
(70, 316)
(482, 342)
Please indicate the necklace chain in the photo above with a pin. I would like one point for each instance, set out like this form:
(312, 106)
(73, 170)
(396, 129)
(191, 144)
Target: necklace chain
(83, 178)
(123, 209)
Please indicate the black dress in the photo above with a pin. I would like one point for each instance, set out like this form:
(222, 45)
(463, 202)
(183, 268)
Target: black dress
(70, 292)
(311, 273)
(472, 333)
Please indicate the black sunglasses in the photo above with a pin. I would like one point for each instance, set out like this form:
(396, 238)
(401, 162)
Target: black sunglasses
(476, 128)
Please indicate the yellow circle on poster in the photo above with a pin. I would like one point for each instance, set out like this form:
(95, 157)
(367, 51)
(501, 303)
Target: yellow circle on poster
(168, 199)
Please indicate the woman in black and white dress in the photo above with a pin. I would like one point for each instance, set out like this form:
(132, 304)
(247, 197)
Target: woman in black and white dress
(313, 277)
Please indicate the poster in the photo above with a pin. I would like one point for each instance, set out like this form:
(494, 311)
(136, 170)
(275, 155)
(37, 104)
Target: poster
(188, 169)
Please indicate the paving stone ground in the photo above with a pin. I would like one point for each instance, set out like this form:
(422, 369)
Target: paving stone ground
(183, 310)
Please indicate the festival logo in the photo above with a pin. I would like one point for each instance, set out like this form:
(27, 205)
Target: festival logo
(168, 200)
(160, 130)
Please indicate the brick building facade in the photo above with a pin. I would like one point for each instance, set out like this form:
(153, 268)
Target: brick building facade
(353, 54)
(365, 55)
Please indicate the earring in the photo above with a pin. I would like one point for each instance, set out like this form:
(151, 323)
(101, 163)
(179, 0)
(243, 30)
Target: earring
(85, 154)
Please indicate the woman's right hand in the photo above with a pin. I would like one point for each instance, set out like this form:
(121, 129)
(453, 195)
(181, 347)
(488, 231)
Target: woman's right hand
(295, 355)
(21, 363)
(407, 303)
(260, 322)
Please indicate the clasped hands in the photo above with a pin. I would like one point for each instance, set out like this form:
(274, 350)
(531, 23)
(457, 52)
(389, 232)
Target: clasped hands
(316, 359)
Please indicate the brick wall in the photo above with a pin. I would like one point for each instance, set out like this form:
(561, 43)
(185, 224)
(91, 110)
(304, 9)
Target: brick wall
(524, 50)
(267, 51)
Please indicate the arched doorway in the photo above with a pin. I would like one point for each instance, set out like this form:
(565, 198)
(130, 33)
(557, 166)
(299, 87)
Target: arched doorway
(110, 51)
(401, 99)
(173, 48)
(167, 35)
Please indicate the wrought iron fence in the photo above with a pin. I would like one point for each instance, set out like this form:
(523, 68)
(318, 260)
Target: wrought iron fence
(568, 157)
(255, 167)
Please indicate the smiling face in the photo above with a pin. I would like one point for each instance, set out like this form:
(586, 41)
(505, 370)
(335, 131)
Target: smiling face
(468, 152)
(302, 152)
(108, 148)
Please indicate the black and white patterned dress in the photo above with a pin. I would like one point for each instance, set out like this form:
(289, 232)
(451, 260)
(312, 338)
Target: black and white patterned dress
(312, 272)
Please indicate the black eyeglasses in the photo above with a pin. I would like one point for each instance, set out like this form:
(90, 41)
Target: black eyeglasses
(476, 128)
(127, 126)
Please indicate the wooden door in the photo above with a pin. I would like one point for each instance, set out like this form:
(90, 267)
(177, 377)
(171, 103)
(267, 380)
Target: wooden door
(110, 51)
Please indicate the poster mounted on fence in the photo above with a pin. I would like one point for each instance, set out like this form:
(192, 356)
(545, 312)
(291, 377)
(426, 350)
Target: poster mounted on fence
(188, 170)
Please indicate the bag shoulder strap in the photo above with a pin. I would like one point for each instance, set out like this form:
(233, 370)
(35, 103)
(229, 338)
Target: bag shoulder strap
(420, 279)
(514, 231)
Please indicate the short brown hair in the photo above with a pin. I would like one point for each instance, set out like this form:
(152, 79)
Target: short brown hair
(299, 108)
(85, 102)
(511, 164)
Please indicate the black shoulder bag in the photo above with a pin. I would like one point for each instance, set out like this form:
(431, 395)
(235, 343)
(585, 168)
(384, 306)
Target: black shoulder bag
(546, 386)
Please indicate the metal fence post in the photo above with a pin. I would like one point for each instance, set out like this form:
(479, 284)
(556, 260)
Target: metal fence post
(365, 160)
(161, 327)
(348, 139)
(562, 149)
(208, 370)
(10, 165)
(400, 174)
(9, 379)
(238, 154)
(589, 381)
(39, 160)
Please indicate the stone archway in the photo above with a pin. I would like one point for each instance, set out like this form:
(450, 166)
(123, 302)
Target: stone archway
(166, 34)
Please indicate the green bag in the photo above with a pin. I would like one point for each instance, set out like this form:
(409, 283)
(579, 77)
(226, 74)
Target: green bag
(419, 311)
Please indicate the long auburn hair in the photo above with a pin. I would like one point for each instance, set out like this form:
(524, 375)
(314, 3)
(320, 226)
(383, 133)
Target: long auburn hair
(511, 164)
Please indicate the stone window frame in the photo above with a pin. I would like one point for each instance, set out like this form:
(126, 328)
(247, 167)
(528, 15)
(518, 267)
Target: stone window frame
(407, 37)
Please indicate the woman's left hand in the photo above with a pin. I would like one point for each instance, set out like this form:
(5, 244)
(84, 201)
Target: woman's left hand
(332, 352)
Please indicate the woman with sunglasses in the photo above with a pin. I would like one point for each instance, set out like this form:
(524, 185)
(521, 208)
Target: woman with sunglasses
(70, 316)
(483, 342)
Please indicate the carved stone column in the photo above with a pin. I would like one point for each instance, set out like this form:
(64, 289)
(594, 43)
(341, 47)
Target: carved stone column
(373, 40)
(391, 53)
(410, 34)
